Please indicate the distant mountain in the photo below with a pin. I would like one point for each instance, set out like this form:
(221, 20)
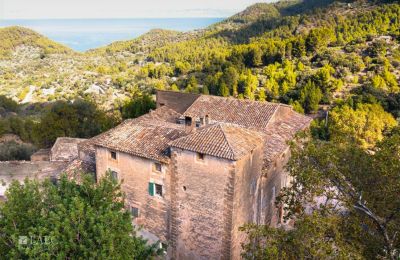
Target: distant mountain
(12, 37)
(147, 42)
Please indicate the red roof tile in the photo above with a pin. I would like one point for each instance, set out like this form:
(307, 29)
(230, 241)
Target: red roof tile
(220, 140)
(148, 139)
(247, 113)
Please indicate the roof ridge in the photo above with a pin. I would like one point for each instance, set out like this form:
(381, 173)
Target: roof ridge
(192, 104)
(227, 140)
(273, 115)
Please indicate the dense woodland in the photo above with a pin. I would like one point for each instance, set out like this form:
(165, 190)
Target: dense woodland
(337, 61)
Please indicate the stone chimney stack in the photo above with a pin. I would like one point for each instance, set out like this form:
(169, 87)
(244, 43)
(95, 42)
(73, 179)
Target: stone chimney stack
(207, 120)
(190, 124)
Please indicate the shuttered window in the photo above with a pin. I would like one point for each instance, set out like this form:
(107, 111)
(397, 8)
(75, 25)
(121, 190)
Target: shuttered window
(134, 212)
(151, 189)
(114, 175)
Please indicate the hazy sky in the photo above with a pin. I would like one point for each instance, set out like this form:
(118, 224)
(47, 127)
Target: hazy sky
(36, 9)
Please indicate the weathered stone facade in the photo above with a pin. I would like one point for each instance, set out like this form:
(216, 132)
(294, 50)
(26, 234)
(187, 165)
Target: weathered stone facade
(199, 167)
(136, 173)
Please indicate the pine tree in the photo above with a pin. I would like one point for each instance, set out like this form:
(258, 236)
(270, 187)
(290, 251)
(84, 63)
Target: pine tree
(205, 90)
(223, 90)
(261, 95)
(310, 96)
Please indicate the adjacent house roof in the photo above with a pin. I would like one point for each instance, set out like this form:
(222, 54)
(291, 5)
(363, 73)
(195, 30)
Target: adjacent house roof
(164, 114)
(247, 113)
(220, 140)
(65, 149)
(148, 139)
(177, 101)
(279, 132)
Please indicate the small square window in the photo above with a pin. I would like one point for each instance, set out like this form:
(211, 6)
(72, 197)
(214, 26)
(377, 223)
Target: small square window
(159, 190)
(200, 156)
(134, 212)
(157, 167)
(114, 175)
(113, 155)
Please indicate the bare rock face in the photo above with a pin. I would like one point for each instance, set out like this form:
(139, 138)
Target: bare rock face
(10, 138)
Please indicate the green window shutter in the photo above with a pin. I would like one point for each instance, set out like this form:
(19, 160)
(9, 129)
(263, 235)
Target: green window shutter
(151, 189)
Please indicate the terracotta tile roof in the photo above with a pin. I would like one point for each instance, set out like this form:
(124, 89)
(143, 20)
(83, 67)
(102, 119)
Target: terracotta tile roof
(238, 126)
(220, 140)
(247, 113)
(279, 132)
(65, 149)
(148, 139)
(87, 146)
(163, 113)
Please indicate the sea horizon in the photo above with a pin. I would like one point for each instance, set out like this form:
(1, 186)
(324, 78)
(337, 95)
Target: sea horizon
(85, 34)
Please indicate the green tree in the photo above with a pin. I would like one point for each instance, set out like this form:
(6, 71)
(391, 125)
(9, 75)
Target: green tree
(79, 221)
(261, 95)
(313, 237)
(365, 125)
(193, 82)
(138, 106)
(8, 104)
(223, 90)
(352, 183)
(174, 87)
(231, 78)
(310, 96)
(79, 119)
(205, 90)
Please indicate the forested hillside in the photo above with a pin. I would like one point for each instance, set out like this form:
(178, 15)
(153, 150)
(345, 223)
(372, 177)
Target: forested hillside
(12, 37)
(315, 55)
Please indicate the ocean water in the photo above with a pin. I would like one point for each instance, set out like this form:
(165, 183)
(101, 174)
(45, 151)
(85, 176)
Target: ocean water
(85, 34)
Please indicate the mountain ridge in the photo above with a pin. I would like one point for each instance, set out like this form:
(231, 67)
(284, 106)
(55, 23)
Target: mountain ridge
(14, 36)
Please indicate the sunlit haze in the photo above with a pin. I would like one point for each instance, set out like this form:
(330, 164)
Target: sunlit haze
(58, 9)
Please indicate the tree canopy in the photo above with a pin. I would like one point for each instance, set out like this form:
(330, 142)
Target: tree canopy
(344, 200)
(68, 220)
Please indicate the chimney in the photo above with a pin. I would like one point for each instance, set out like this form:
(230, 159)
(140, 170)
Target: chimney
(189, 124)
(207, 120)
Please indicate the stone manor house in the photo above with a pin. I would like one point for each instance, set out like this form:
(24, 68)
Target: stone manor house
(197, 168)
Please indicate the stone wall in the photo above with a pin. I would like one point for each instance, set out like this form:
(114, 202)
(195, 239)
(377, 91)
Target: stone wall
(246, 201)
(274, 179)
(178, 101)
(41, 155)
(19, 170)
(201, 205)
(135, 174)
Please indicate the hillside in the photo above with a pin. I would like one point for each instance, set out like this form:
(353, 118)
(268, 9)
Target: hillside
(310, 54)
(146, 42)
(12, 37)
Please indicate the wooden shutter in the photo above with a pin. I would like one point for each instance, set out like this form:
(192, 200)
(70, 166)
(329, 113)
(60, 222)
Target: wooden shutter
(151, 189)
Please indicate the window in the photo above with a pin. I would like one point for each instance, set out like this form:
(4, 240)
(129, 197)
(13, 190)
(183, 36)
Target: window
(200, 156)
(155, 189)
(114, 175)
(157, 167)
(151, 189)
(159, 190)
(134, 212)
(188, 121)
(113, 155)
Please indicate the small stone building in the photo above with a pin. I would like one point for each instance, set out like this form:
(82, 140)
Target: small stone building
(198, 167)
